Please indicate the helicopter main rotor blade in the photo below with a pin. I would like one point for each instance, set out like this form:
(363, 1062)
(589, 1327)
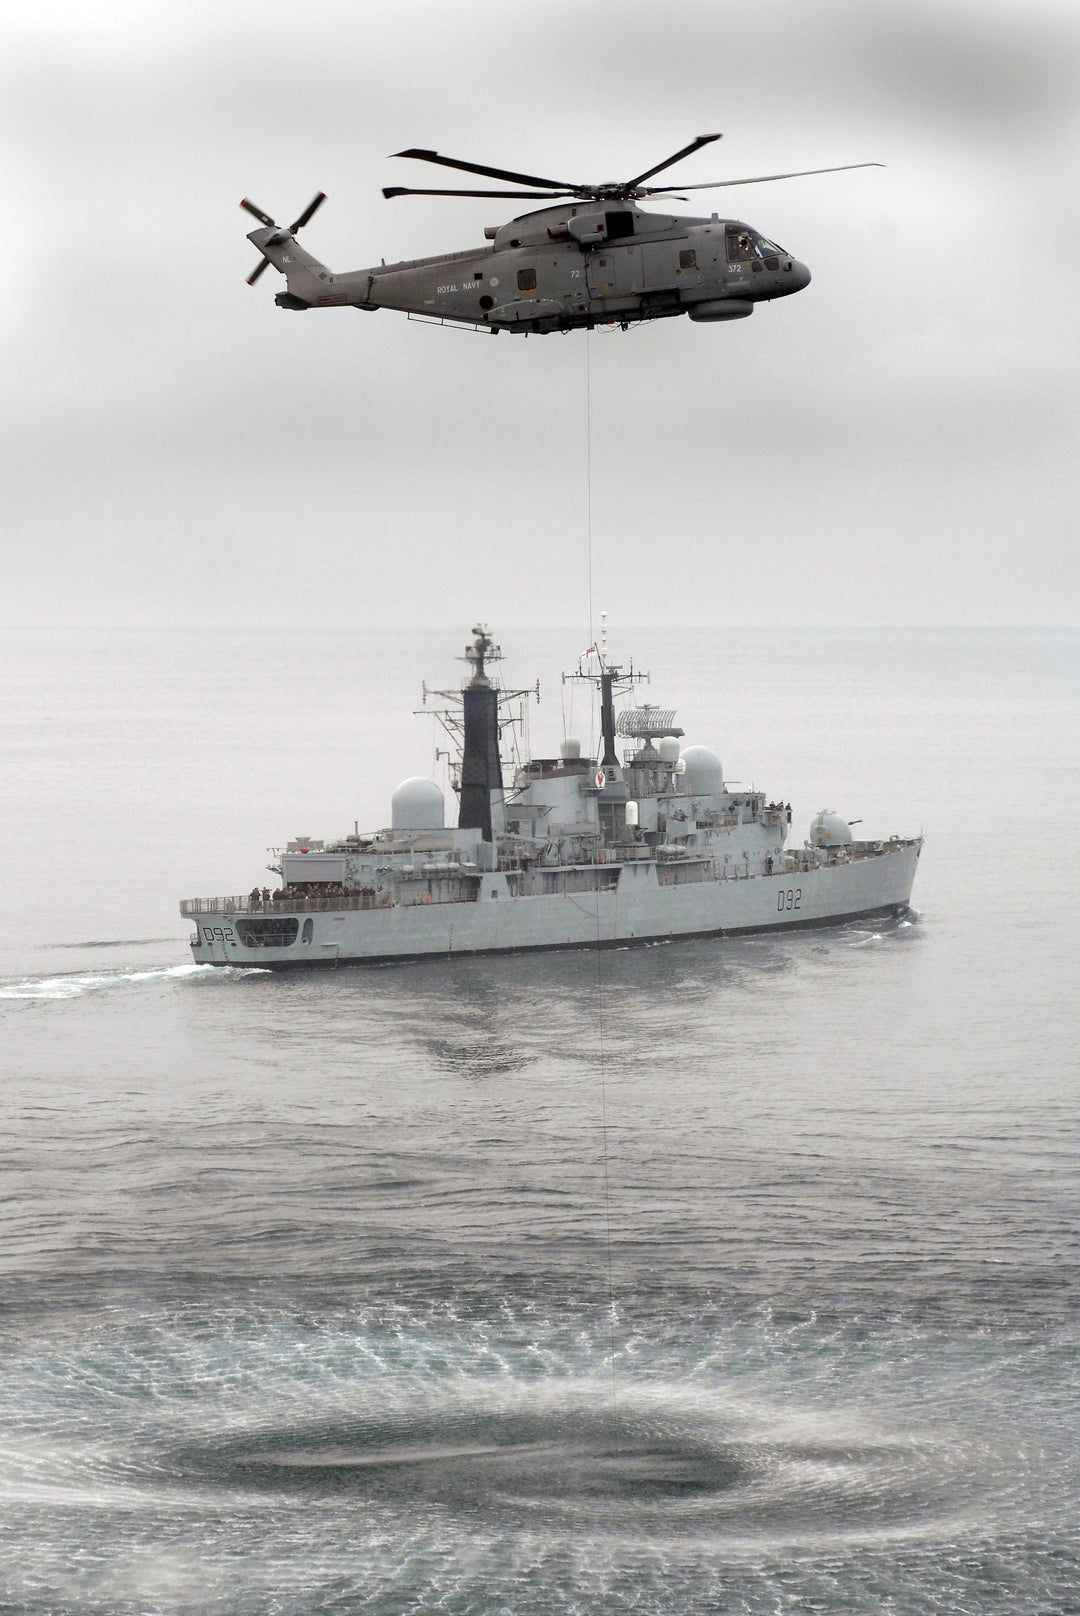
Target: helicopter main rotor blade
(756, 179)
(263, 218)
(263, 263)
(508, 174)
(315, 203)
(390, 191)
(695, 145)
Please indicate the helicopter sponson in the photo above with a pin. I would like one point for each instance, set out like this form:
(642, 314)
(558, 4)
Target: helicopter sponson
(596, 258)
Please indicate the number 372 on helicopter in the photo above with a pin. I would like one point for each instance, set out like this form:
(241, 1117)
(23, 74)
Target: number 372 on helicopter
(594, 258)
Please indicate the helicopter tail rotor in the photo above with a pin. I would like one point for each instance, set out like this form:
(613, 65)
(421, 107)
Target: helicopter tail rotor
(280, 234)
(305, 218)
(263, 218)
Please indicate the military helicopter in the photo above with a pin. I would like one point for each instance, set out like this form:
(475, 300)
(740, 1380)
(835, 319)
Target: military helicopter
(595, 259)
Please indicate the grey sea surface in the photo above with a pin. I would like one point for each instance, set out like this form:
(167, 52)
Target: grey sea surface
(312, 1295)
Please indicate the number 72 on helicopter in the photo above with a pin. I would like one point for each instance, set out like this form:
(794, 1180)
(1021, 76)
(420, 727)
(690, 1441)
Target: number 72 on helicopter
(594, 258)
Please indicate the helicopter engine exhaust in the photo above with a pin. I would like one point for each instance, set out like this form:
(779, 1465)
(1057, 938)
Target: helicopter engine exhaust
(721, 308)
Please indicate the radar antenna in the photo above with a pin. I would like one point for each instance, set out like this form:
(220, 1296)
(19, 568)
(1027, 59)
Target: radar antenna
(647, 723)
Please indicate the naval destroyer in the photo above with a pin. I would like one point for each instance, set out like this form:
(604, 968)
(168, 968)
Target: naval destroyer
(556, 852)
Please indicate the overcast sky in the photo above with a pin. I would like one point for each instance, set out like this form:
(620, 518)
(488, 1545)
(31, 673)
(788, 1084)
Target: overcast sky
(893, 445)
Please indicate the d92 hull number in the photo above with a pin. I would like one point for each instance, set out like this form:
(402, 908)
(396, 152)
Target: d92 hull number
(789, 898)
(218, 934)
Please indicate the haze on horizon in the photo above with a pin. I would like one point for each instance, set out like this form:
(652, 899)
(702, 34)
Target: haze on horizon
(893, 445)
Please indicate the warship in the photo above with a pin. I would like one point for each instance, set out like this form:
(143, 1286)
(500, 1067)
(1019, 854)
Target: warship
(572, 851)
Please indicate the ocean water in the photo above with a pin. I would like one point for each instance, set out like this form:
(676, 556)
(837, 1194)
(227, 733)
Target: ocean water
(719, 1276)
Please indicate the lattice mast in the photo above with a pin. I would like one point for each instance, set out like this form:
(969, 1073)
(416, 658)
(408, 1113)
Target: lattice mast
(610, 680)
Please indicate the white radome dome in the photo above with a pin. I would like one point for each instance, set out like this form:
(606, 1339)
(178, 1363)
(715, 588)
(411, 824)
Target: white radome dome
(704, 774)
(417, 804)
(828, 829)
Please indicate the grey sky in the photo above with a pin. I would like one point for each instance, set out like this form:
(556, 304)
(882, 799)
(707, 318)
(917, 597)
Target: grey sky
(894, 445)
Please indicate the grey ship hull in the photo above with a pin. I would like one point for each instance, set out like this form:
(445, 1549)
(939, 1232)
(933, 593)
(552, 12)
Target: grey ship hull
(638, 908)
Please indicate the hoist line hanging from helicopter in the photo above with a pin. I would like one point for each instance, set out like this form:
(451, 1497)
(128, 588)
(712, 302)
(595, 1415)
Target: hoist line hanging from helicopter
(602, 1061)
(593, 258)
(599, 953)
(588, 477)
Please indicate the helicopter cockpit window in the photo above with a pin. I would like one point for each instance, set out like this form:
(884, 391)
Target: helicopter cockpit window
(526, 280)
(744, 246)
(741, 245)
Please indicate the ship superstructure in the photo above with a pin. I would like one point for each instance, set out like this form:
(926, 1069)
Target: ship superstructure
(574, 851)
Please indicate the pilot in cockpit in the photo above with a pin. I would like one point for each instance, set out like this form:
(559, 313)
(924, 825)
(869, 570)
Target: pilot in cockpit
(740, 244)
(744, 245)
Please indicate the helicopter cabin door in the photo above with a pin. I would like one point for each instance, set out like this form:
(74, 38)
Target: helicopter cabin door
(615, 269)
(601, 272)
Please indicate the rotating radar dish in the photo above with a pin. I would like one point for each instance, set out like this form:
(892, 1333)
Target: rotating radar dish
(647, 723)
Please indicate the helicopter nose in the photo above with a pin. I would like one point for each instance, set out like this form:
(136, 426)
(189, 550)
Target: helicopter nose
(799, 276)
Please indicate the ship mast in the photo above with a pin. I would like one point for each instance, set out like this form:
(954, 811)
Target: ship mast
(472, 720)
(481, 765)
(610, 678)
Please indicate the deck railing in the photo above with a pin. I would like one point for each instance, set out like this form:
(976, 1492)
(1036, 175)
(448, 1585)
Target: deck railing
(311, 904)
(278, 905)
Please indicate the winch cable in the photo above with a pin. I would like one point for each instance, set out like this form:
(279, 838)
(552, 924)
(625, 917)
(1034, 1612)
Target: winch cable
(596, 895)
(588, 470)
(604, 1136)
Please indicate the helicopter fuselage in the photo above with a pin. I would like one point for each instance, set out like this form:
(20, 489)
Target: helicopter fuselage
(573, 266)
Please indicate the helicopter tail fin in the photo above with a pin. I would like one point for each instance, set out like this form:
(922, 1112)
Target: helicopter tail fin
(308, 280)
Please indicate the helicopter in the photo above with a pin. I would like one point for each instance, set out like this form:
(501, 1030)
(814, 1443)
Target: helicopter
(596, 258)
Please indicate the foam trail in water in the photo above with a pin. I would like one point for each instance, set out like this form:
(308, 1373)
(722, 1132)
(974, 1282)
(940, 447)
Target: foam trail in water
(73, 987)
(113, 942)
